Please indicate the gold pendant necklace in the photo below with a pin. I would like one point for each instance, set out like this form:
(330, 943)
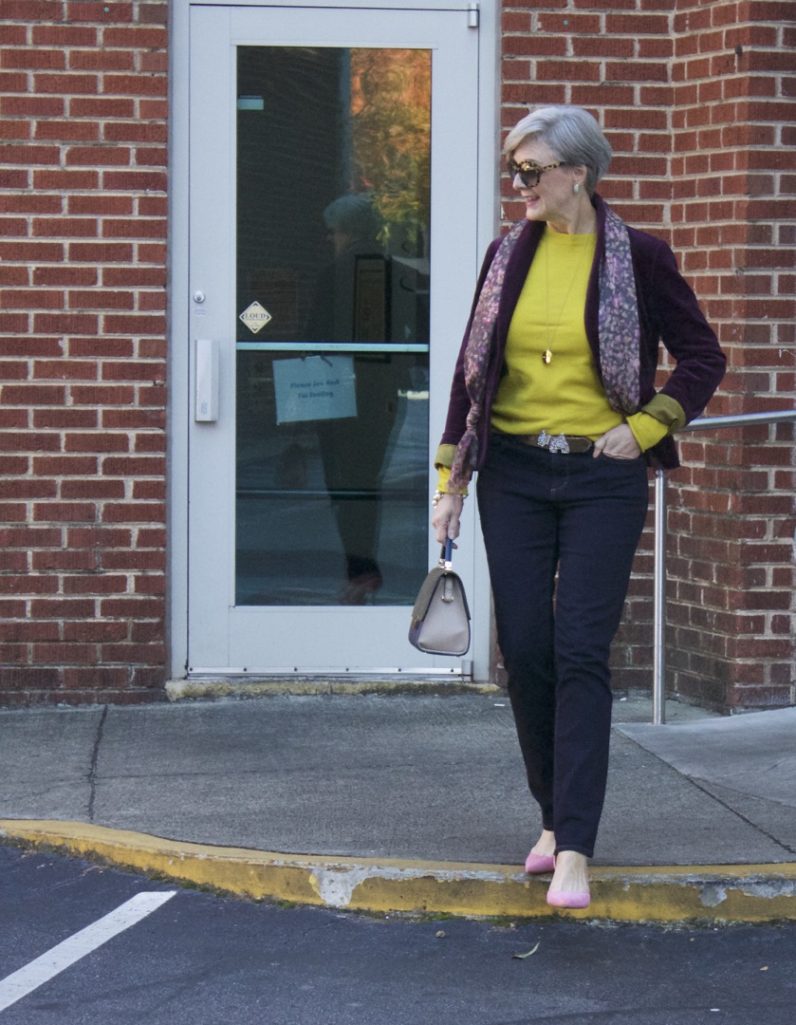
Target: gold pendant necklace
(547, 355)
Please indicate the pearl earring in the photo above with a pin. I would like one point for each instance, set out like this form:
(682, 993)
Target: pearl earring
(576, 188)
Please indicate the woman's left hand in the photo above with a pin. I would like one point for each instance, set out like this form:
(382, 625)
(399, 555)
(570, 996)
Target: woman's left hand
(618, 443)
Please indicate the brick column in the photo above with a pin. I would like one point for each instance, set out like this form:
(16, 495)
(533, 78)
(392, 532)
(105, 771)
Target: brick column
(83, 93)
(697, 100)
(734, 225)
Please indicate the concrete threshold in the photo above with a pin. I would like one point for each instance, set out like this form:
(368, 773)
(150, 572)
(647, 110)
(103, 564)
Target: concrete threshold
(715, 894)
(209, 688)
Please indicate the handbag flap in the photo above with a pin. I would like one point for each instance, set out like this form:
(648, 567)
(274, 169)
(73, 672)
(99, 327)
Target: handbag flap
(435, 577)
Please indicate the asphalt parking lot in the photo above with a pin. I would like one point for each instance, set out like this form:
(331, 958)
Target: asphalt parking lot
(207, 959)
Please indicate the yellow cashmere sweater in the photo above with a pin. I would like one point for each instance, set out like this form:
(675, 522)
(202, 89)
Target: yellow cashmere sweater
(561, 394)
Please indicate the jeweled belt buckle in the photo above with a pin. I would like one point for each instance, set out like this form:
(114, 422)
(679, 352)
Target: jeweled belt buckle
(553, 443)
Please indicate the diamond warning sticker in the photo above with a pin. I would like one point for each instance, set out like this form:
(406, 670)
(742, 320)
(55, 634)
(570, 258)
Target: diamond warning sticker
(255, 317)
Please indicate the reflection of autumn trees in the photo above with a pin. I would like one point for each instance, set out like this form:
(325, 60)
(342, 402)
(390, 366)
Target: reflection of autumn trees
(391, 128)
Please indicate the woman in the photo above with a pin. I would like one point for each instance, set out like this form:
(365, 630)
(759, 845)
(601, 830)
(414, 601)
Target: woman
(553, 402)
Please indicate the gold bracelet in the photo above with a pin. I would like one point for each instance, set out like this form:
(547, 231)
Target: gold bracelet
(438, 495)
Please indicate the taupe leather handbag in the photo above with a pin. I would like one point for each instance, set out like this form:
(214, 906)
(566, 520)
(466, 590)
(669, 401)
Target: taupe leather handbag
(441, 617)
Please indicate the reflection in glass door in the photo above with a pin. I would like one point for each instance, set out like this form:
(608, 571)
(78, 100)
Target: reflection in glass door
(332, 325)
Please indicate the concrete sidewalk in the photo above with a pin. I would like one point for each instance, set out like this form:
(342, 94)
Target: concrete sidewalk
(411, 802)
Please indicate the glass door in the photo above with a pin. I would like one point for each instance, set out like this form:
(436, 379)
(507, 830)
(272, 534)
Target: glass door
(321, 314)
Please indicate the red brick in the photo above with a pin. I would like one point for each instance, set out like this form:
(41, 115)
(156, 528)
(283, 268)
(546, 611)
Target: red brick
(65, 560)
(95, 490)
(19, 441)
(138, 227)
(64, 512)
(68, 323)
(133, 560)
(153, 13)
(136, 324)
(13, 226)
(65, 370)
(101, 60)
(30, 394)
(100, 155)
(100, 441)
(135, 181)
(25, 630)
(97, 630)
(29, 154)
(101, 584)
(66, 417)
(99, 12)
(13, 178)
(133, 607)
(133, 37)
(13, 275)
(102, 348)
(65, 83)
(25, 488)
(133, 466)
(62, 179)
(16, 371)
(100, 203)
(153, 109)
(64, 275)
(28, 584)
(133, 512)
(31, 106)
(103, 395)
(151, 156)
(65, 227)
(64, 35)
(67, 131)
(101, 252)
(64, 465)
(101, 299)
(135, 85)
(101, 107)
(28, 57)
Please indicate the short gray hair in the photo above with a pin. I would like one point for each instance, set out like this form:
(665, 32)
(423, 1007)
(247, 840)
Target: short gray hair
(571, 132)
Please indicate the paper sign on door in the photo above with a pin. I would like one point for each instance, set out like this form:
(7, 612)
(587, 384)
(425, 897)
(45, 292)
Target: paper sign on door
(314, 388)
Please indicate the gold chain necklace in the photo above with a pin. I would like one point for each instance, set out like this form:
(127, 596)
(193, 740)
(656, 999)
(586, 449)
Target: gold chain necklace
(547, 355)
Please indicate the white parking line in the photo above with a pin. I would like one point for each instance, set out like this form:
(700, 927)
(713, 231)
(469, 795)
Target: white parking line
(64, 954)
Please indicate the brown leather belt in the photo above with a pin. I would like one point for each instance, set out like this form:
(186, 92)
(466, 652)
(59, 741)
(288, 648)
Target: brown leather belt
(563, 443)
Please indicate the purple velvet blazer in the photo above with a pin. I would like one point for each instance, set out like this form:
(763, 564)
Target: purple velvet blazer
(668, 312)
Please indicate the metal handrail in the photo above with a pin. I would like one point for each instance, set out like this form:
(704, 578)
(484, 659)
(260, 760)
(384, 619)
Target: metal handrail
(659, 567)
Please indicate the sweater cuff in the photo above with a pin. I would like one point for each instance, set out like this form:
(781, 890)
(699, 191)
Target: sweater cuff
(646, 429)
(445, 456)
(667, 410)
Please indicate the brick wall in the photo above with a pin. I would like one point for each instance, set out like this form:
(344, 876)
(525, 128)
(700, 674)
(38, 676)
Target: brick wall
(697, 99)
(83, 89)
(734, 217)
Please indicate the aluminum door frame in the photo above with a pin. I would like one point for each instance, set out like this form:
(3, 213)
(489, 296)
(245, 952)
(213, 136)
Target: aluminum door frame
(486, 173)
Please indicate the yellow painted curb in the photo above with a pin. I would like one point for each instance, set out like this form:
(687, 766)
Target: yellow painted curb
(712, 893)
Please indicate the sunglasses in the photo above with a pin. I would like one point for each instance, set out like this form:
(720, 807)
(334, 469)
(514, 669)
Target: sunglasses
(530, 173)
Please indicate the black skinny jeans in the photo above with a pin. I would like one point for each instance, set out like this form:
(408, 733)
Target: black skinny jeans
(544, 513)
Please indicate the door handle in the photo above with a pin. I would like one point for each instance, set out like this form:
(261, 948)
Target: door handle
(207, 369)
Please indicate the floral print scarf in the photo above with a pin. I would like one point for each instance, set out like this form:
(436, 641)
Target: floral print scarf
(618, 327)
